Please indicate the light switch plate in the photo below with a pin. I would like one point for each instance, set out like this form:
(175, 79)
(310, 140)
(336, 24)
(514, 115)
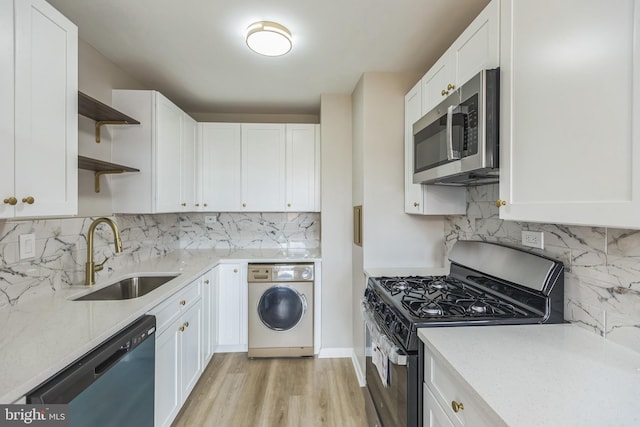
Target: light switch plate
(27, 245)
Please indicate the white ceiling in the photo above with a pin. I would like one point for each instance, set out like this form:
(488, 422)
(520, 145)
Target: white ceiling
(194, 52)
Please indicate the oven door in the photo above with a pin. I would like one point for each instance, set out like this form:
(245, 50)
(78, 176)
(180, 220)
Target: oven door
(393, 396)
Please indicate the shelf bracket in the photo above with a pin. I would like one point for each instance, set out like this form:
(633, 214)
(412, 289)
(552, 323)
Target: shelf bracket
(99, 174)
(101, 123)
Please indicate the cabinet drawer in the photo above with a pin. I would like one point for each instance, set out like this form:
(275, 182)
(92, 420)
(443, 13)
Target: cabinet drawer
(169, 310)
(450, 392)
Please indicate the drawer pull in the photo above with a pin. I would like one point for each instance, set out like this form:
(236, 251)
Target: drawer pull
(182, 302)
(456, 406)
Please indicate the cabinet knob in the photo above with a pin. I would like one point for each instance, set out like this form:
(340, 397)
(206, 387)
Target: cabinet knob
(416, 204)
(235, 270)
(182, 302)
(11, 201)
(206, 282)
(244, 205)
(197, 204)
(500, 203)
(288, 205)
(205, 205)
(456, 406)
(181, 328)
(186, 324)
(450, 87)
(444, 93)
(183, 204)
(28, 200)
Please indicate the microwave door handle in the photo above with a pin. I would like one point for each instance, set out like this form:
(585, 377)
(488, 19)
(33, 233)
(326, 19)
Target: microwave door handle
(451, 153)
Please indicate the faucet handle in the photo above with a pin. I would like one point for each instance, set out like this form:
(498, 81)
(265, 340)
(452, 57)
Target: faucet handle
(99, 267)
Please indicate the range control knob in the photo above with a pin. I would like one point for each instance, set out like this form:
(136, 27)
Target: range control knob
(395, 327)
(388, 319)
(306, 274)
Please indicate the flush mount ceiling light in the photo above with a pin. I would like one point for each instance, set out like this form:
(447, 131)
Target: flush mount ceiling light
(269, 38)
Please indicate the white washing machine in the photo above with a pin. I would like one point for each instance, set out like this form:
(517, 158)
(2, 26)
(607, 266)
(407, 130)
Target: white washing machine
(280, 310)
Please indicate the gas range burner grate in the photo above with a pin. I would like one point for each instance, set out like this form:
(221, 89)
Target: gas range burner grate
(446, 305)
(407, 285)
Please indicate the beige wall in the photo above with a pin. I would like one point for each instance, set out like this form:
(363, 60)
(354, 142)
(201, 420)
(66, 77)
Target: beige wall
(391, 238)
(97, 76)
(335, 131)
(357, 252)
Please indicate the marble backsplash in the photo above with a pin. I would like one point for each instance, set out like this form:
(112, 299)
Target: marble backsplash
(602, 280)
(61, 244)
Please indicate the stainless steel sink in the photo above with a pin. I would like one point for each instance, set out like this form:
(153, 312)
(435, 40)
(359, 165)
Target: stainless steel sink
(132, 287)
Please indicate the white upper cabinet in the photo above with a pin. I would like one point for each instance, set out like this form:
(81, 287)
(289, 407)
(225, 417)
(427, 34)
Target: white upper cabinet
(7, 189)
(259, 167)
(220, 165)
(477, 48)
(425, 199)
(302, 167)
(263, 167)
(188, 166)
(156, 148)
(570, 96)
(438, 82)
(168, 161)
(39, 110)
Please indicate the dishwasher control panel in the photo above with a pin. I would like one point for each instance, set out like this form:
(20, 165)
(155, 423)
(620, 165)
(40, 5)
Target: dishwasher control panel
(280, 273)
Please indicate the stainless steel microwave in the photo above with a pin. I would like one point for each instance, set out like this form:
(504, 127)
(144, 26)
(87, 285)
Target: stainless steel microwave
(457, 142)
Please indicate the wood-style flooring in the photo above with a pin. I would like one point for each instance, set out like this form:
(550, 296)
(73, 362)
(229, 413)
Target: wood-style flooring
(237, 391)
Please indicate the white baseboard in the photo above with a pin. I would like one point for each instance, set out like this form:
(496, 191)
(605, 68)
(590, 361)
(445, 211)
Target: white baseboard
(231, 348)
(335, 353)
(362, 380)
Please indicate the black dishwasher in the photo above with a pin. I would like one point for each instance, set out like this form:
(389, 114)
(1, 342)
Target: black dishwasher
(113, 385)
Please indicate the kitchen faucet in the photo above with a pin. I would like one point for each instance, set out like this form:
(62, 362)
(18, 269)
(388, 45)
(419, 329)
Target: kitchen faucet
(91, 267)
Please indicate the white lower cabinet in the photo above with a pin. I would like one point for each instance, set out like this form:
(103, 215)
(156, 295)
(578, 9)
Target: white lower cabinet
(447, 401)
(433, 414)
(167, 380)
(209, 315)
(232, 306)
(191, 342)
(178, 350)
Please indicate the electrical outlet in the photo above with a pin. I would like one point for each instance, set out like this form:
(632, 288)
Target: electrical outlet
(534, 239)
(27, 245)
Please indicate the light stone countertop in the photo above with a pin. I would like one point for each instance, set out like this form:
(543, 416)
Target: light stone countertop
(544, 375)
(42, 336)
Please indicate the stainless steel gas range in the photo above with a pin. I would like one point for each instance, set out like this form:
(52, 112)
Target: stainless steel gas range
(488, 284)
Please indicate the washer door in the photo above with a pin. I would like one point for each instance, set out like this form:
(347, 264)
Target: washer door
(281, 308)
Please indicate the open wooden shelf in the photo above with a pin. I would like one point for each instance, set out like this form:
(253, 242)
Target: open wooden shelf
(102, 113)
(101, 167)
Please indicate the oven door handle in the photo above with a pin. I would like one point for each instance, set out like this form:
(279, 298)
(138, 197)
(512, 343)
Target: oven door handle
(451, 153)
(382, 341)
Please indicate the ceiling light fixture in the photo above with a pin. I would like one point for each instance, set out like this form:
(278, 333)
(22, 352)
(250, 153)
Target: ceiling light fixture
(269, 38)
